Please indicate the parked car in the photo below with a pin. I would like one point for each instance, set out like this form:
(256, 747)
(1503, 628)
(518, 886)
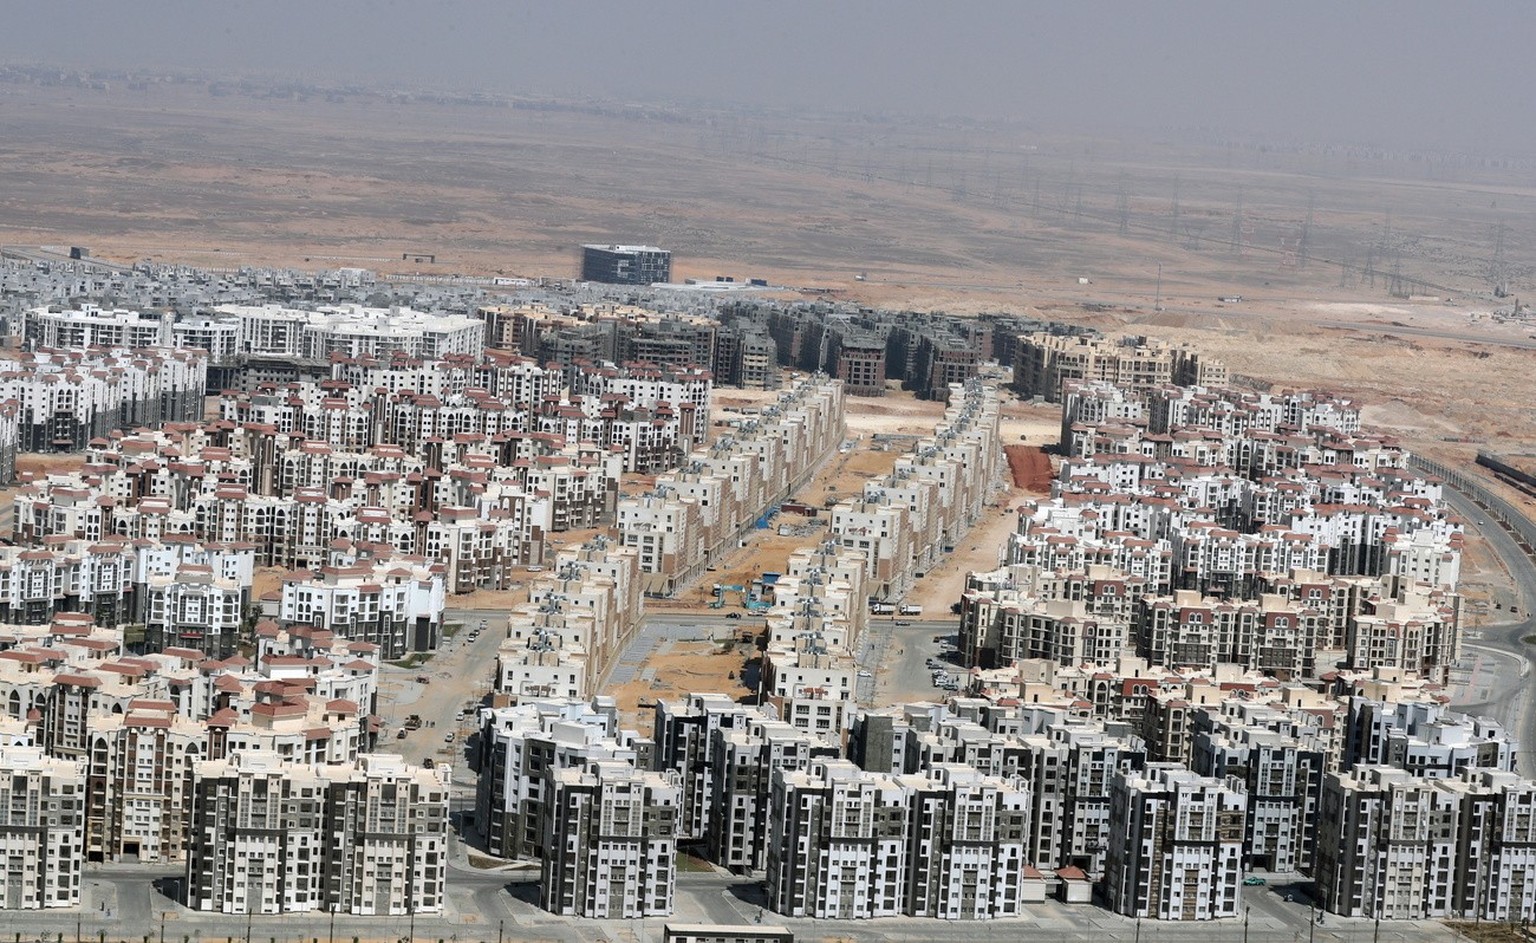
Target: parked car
(401, 734)
(423, 679)
(1254, 882)
(733, 615)
(450, 736)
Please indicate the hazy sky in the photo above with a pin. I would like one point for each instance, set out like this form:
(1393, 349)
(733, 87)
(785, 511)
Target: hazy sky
(1444, 73)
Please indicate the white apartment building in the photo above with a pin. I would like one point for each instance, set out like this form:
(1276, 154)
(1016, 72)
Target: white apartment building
(1179, 848)
(351, 330)
(543, 663)
(393, 603)
(195, 608)
(838, 843)
(92, 326)
(610, 842)
(685, 736)
(742, 765)
(811, 685)
(66, 397)
(42, 829)
(520, 744)
(275, 837)
(967, 846)
(1386, 845)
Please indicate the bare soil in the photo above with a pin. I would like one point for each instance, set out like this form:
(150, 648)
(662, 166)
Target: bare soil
(680, 669)
(1030, 468)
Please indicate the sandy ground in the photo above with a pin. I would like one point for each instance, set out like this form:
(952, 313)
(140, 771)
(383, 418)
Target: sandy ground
(679, 669)
(49, 463)
(983, 548)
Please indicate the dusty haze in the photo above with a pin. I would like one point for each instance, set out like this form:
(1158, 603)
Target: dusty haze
(1405, 74)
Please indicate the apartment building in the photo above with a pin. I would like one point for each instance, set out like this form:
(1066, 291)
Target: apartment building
(684, 734)
(1424, 738)
(1281, 779)
(66, 397)
(42, 819)
(845, 843)
(195, 607)
(272, 836)
(1179, 853)
(610, 842)
(1067, 769)
(274, 332)
(926, 353)
(810, 684)
(396, 604)
(1386, 845)
(92, 326)
(1045, 363)
(838, 843)
(1394, 845)
(743, 761)
(967, 846)
(625, 265)
(521, 743)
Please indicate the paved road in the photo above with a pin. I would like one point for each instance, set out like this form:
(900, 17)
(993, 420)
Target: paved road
(896, 651)
(459, 675)
(1465, 337)
(1511, 696)
(501, 905)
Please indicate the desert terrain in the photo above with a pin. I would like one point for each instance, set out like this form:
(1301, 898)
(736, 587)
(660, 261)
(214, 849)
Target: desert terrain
(1330, 249)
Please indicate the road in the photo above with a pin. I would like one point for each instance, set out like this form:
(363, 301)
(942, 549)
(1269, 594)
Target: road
(459, 675)
(1500, 647)
(1403, 330)
(502, 905)
(895, 652)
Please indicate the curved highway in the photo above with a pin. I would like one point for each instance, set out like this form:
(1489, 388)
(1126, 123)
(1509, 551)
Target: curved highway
(1511, 700)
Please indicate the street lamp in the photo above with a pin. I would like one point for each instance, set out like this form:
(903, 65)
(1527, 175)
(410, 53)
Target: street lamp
(162, 926)
(1246, 911)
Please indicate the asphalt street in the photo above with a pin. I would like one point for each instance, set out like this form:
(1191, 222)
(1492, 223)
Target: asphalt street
(501, 905)
(1499, 647)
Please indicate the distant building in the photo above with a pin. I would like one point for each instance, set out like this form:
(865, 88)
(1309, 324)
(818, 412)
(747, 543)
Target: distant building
(625, 265)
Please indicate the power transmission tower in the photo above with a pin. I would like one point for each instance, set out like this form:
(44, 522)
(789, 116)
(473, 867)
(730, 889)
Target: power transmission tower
(1173, 221)
(1304, 246)
(1123, 207)
(1498, 270)
(1237, 226)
